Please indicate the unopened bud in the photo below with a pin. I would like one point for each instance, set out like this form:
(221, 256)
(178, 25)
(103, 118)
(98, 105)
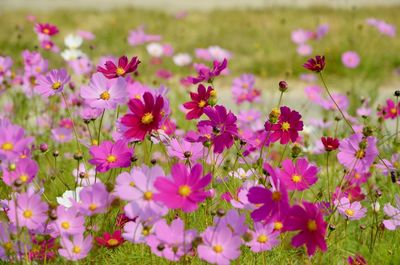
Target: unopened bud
(283, 86)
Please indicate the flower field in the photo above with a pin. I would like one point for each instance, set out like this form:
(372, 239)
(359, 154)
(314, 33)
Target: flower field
(223, 137)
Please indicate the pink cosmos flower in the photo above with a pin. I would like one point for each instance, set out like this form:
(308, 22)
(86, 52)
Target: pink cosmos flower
(137, 187)
(351, 210)
(235, 221)
(393, 213)
(138, 37)
(48, 45)
(185, 190)
(25, 171)
(68, 221)
(350, 59)
(200, 100)
(264, 237)
(223, 126)
(136, 232)
(52, 83)
(124, 67)
(29, 210)
(77, 248)
(357, 152)
(298, 176)
(309, 220)
(390, 165)
(316, 64)
(206, 74)
(94, 199)
(219, 246)
(304, 50)
(145, 116)
(103, 93)
(5, 65)
(175, 241)
(390, 110)
(272, 201)
(62, 135)
(110, 155)
(87, 35)
(46, 29)
(185, 151)
(287, 128)
(13, 141)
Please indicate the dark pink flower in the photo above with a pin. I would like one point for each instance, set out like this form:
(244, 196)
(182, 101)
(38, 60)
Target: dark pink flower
(316, 64)
(110, 155)
(298, 176)
(124, 67)
(206, 74)
(200, 100)
(46, 29)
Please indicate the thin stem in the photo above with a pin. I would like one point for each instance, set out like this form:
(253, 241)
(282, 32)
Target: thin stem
(101, 123)
(72, 120)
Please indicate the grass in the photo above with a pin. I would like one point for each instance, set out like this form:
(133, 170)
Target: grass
(260, 42)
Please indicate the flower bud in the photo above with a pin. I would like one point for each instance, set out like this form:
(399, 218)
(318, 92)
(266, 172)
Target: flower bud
(247, 237)
(43, 147)
(56, 153)
(397, 93)
(283, 86)
(296, 150)
(274, 115)
(78, 156)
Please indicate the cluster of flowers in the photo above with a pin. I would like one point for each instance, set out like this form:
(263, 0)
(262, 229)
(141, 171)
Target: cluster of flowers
(152, 204)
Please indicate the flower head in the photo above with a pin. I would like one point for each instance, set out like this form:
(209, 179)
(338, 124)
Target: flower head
(206, 74)
(124, 67)
(298, 176)
(77, 248)
(52, 83)
(46, 29)
(94, 199)
(264, 237)
(316, 64)
(110, 240)
(200, 100)
(110, 155)
(330, 144)
(351, 210)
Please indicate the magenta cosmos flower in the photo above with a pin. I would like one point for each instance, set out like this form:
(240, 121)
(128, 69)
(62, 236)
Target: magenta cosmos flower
(200, 100)
(264, 237)
(316, 64)
(77, 248)
(219, 246)
(309, 220)
(357, 152)
(103, 93)
(272, 201)
(390, 110)
(13, 141)
(350, 59)
(287, 128)
(46, 29)
(208, 75)
(145, 116)
(124, 67)
(298, 176)
(175, 240)
(24, 172)
(52, 83)
(94, 199)
(223, 125)
(185, 190)
(110, 155)
(28, 210)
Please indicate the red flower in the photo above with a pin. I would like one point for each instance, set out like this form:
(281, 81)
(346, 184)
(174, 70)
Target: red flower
(124, 67)
(287, 128)
(46, 29)
(110, 241)
(316, 64)
(144, 117)
(330, 143)
(207, 74)
(199, 102)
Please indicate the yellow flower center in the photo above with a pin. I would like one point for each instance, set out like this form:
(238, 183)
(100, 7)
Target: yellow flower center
(393, 110)
(56, 85)
(46, 31)
(285, 126)
(27, 214)
(312, 225)
(8, 246)
(105, 95)
(357, 176)
(112, 242)
(296, 178)
(147, 118)
(95, 142)
(120, 71)
(23, 178)
(76, 250)
(218, 248)
(262, 239)
(202, 103)
(278, 225)
(148, 195)
(396, 165)
(65, 225)
(360, 154)
(349, 212)
(145, 232)
(213, 93)
(184, 190)
(132, 184)
(276, 196)
(7, 146)
(111, 159)
(92, 207)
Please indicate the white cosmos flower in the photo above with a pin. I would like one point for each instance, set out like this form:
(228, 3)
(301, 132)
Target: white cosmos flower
(155, 49)
(182, 59)
(69, 195)
(72, 54)
(73, 41)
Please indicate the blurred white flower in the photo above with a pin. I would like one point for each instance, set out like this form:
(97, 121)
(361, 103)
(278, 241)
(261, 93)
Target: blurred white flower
(69, 195)
(72, 54)
(73, 41)
(182, 59)
(155, 49)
